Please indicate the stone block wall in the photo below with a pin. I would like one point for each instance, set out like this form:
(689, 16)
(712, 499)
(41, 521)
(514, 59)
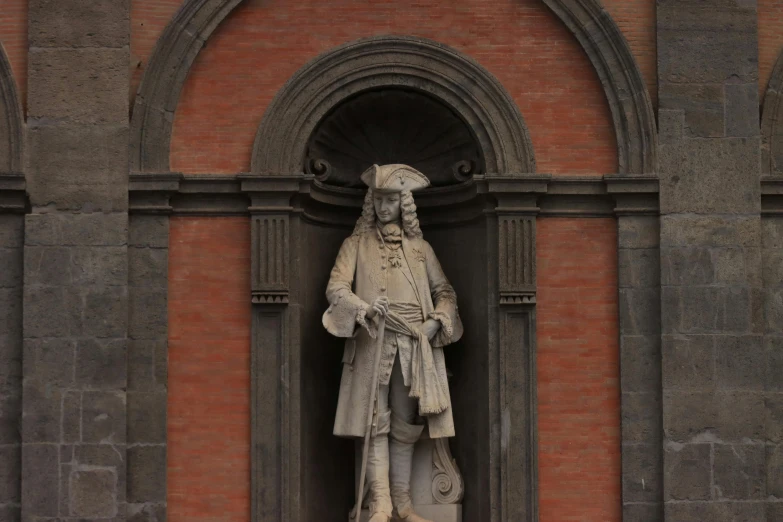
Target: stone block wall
(74, 404)
(683, 318)
(147, 360)
(715, 410)
(640, 367)
(11, 283)
(772, 355)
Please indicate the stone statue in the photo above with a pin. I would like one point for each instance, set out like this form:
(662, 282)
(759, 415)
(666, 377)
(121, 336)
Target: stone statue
(390, 298)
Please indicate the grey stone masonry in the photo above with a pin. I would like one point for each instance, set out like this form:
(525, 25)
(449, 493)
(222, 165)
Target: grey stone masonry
(11, 258)
(75, 327)
(640, 368)
(147, 366)
(771, 353)
(715, 406)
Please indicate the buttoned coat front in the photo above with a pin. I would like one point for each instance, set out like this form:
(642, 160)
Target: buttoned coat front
(358, 278)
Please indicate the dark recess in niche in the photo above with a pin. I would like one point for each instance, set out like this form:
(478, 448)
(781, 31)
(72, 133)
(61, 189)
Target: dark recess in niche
(392, 126)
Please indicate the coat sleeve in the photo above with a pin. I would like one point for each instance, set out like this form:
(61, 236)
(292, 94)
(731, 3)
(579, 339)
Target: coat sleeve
(445, 301)
(346, 309)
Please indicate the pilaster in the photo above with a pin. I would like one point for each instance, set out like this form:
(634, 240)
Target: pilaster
(276, 301)
(710, 262)
(512, 361)
(74, 456)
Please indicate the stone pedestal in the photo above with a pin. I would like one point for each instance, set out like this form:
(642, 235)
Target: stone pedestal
(434, 512)
(436, 482)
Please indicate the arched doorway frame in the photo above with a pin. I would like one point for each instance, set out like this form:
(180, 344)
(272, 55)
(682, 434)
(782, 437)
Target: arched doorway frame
(598, 34)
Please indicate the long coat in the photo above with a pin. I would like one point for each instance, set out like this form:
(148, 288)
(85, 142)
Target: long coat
(356, 280)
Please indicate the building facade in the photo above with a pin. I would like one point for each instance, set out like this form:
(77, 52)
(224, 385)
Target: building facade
(176, 177)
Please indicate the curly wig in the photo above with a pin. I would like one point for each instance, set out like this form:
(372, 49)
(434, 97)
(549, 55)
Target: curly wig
(410, 223)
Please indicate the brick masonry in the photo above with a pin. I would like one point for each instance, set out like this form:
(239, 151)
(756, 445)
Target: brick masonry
(260, 45)
(770, 39)
(191, 153)
(94, 286)
(13, 35)
(209, 369)
(636, 20)
(578, 377)
(148, 19)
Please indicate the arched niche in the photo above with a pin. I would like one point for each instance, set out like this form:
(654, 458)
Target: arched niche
(378, 100)
(392, 62)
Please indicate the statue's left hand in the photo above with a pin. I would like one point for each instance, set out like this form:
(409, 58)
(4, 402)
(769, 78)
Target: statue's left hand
(429, 328)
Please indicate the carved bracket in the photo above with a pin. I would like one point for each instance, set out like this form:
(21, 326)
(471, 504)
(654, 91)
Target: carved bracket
(633, 195)
(270, 229)
(13, 199)
(270, 259)
(447, 484)
(771, 196)
(516, 259)
(516, 207)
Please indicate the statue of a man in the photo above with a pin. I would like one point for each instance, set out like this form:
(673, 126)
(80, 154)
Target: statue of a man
(386, 270)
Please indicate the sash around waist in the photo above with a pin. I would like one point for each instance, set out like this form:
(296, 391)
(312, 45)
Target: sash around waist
(425, 383)
(404, 317)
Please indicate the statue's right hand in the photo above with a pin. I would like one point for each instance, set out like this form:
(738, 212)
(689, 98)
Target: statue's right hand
(379, 306)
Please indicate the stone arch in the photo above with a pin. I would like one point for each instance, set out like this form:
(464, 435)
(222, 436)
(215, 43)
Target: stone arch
(11, 119)
(378, 62)
(772, 124)
(599, 36)
(168, 68)
(629, 101)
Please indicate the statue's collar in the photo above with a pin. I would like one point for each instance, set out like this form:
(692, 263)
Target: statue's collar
(390, 232)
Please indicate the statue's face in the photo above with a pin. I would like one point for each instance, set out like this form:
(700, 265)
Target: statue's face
(387, 206)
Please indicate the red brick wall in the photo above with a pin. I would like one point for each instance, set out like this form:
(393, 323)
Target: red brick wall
(209, 376)
(770, 39)
(636, 20)
(13, 35)
(578, 371)
(148, 19)
(247, 60)
(261, 44)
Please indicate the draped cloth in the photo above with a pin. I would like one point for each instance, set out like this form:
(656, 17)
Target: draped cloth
(424, 382)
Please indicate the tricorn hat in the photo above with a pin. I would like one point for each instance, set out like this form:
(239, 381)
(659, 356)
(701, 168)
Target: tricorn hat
(394, 178)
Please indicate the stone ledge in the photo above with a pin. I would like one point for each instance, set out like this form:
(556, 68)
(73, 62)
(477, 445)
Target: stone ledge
(243, 194)
(13, 197)
(771, 196)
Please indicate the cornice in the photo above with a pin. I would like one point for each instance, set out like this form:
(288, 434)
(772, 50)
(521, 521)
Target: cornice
(13, 198)
(539, 194)
(771, 196)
